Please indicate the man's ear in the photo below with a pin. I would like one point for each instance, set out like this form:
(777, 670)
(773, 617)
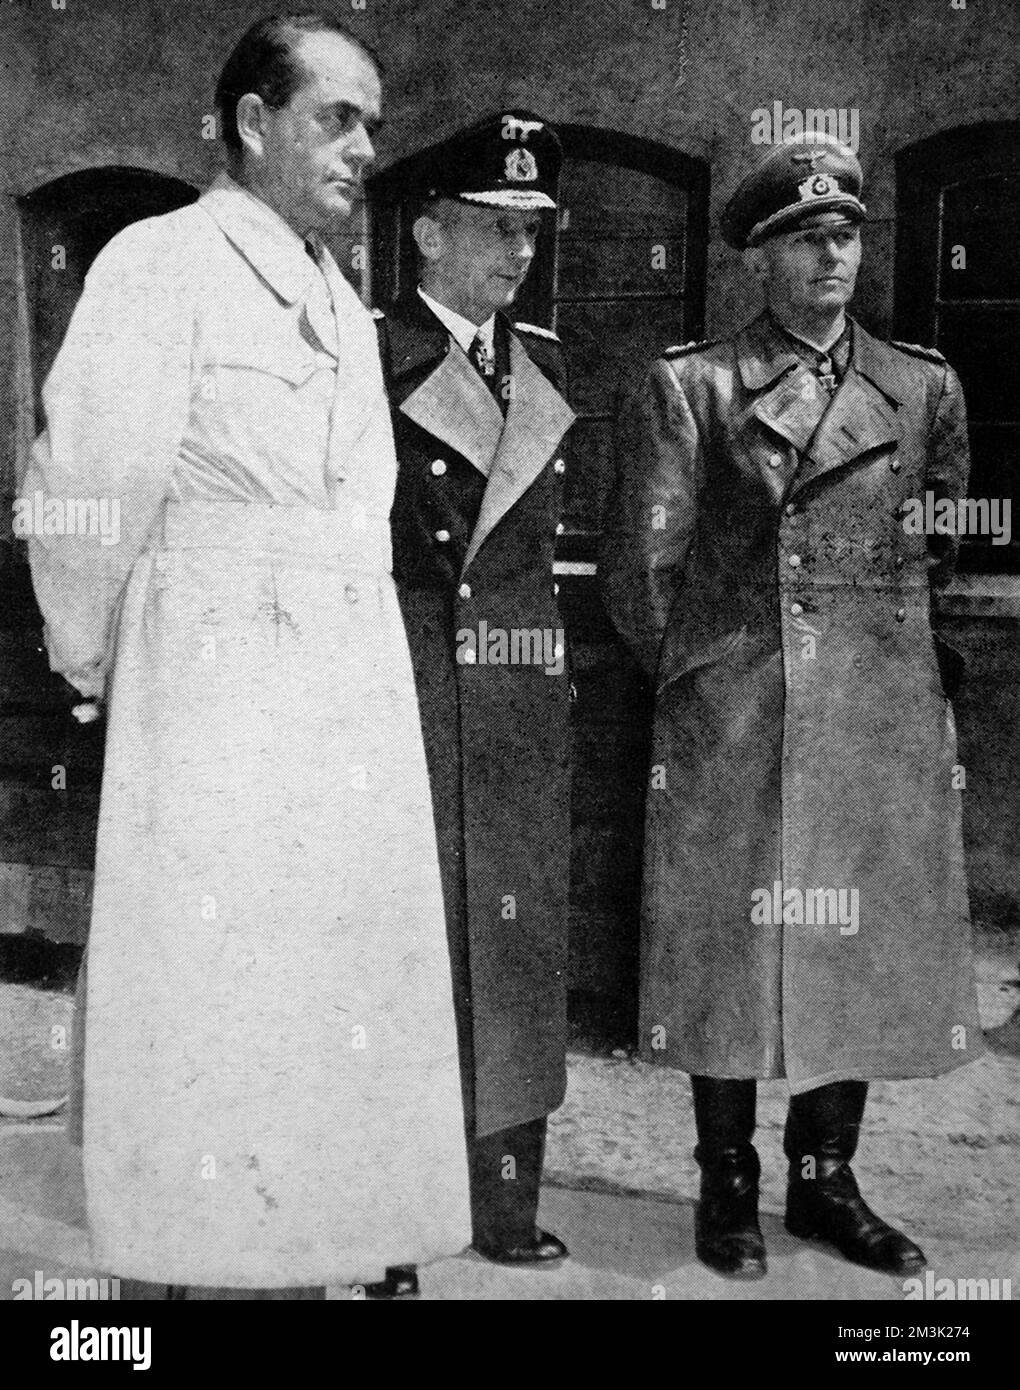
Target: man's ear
(251, 123)
(429, 237)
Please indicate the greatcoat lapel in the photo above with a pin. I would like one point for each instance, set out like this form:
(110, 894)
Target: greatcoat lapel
(537, 418)
(862, 415)
(827, 432)
(795, 402)
(454, 404)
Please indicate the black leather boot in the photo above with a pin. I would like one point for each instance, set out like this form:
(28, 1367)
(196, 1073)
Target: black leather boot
(728, 1237)
(822, 1199)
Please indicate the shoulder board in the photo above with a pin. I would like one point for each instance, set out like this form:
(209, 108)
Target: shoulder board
(538, 332)
(682, 349)
(377, 314)
(929, 354)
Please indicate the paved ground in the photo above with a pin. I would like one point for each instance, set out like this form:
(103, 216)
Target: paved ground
(941, 1157)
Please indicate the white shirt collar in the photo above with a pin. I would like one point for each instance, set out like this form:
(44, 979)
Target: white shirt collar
(462, 330)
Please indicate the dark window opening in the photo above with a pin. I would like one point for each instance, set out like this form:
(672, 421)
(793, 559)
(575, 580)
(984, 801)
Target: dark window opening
(958, 289)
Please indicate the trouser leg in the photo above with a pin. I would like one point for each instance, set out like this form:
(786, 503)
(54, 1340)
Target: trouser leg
(505, 1171)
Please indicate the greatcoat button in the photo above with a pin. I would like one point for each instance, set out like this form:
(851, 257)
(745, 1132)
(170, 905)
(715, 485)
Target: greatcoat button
(776, 461)
(442, 536)
(438, 468)
(560, 528)
(465, 591)
(895, 465)
(796, 609)
(794, 562)
(559, 466)
(901, 615)
(790, 509)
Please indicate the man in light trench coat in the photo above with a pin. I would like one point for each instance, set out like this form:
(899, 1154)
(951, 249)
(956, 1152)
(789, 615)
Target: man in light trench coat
(805, 903)
(271, 1093)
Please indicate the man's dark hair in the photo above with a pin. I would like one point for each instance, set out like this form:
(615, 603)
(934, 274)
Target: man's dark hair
(265, 62)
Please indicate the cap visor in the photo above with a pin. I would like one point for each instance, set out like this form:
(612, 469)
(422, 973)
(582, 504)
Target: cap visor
(526, 200)
(788, 219)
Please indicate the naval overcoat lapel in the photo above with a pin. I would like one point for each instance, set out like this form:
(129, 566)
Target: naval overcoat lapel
(537, 418)
(454, 404)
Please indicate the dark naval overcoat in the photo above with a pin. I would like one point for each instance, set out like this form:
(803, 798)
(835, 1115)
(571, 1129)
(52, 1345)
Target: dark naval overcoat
(475, 519)
(756, 560)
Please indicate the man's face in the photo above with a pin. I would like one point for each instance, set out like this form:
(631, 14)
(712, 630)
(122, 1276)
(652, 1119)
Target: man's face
(811, 271)
(316, 149)
(476, 256)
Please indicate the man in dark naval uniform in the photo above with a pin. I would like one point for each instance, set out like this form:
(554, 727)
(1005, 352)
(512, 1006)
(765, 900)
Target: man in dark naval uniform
(805, 901)
(478, 414)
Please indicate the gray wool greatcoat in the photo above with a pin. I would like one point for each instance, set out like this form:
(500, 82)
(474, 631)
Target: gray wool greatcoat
(474, 523)
(756, 561)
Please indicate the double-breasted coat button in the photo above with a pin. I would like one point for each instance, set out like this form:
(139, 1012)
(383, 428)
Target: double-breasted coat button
(895, 465)
(794, 562)
(776, 461)
(559, 466)
(442, 537)
(796, 609)
(438, 468)
(560, 528)
(901, 615)
(465, 591)
(790, 509)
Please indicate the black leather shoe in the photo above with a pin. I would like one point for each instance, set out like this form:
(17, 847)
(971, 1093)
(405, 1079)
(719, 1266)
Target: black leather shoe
(830, 1207)
(400, 1281)
(727, 1236)
(544, 1249)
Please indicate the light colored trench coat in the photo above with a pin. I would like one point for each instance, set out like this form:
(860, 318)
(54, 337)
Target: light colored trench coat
(271, 1083)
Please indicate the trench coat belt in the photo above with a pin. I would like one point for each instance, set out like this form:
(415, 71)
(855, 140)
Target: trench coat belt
(352, 538)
